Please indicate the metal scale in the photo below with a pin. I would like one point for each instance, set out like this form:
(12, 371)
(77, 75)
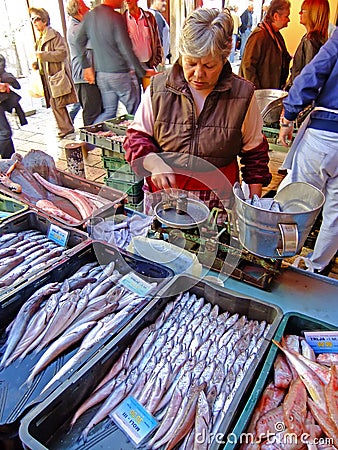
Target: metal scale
(188, 223)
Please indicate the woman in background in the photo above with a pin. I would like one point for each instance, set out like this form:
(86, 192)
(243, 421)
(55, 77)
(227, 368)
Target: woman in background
(314, 15)
(51, 53)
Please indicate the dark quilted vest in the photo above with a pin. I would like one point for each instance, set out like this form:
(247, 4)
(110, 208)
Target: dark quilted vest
(216, 134)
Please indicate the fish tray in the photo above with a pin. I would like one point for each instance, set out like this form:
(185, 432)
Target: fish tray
(15, 396)
(116, 124)
(47, 425)
(10, 208)
(115, 197)
(31, 220)
(292, 323)
(90, 134)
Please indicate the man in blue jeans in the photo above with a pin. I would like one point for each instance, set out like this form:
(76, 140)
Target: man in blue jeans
(246, 27)
(117, 68)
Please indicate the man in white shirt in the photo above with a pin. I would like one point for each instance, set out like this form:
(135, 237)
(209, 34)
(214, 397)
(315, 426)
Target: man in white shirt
(143, 32)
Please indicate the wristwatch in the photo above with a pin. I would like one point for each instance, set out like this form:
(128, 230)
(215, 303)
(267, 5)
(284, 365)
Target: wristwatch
(286, 125)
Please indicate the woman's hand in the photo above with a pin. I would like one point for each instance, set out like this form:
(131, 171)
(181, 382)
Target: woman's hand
(285, 132)
(162, 175)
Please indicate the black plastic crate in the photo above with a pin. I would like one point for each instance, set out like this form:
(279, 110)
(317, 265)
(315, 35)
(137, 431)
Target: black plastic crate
(47, 425)
(16, 397)
(292, 323)
(31, 220)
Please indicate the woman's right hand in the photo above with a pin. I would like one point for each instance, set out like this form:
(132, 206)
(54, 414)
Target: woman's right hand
(162, 175)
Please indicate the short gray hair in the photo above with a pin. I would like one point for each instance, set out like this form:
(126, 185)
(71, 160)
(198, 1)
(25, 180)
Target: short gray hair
(207, 31)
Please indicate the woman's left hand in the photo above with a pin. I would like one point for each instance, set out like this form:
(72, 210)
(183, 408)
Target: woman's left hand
(162, 175)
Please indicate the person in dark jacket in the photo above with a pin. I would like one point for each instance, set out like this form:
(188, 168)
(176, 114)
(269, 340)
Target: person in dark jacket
(246, 27)
(199, 114)
(314, 15)
(88, 94)
(117, 68)
(266, 61)
(313, 157)
(9, 101)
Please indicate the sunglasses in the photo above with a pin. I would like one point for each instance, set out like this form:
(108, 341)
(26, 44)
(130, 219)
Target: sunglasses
(35, 19)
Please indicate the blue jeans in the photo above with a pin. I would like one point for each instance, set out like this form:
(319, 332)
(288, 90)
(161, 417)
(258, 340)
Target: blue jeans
(244, 38)
(73, 110)
(115, 87)
(233, 48)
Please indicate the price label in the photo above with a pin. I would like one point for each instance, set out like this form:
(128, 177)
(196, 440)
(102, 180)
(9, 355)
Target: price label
(58, 235)
(136, 284)
(134, 420)
(322, 341)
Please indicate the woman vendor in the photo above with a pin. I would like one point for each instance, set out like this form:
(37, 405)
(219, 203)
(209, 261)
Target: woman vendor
(200, 111)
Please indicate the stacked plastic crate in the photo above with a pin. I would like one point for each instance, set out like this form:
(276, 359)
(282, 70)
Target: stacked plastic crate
(109, 136)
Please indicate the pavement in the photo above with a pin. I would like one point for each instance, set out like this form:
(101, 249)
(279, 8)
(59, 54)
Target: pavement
(41, 134)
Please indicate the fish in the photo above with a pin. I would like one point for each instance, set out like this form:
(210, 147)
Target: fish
(313, 383)
(8, 264)
(331, 395)
(52, 210)
(282, 372)
(59, 346)
(24, 315)
(82, 204)
(324, 421)
(266, 424)
(180, 428)
(9, 251)
(295, 407)
(119, 393)
(327, 358)
(14, 274)
(202, 420)
(97, 397)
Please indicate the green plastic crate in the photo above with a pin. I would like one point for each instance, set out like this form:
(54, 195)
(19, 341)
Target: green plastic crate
(90, 134)
(135, 206)
(118, 156)
(10, 207)
(130, 188)
(116, 124)
(292, 323)
(116, 164)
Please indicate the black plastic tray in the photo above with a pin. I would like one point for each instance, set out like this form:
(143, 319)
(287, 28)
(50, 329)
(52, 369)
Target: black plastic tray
(31, 220)
(292, 323)
(47, 425)
(16, 398)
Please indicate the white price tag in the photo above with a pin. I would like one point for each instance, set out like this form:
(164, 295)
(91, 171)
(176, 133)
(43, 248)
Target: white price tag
(136, 284)
(58, 235)
(322, 341)
(134, 420)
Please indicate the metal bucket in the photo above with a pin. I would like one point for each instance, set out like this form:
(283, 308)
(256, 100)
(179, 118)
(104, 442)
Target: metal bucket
(272, 234)
(270, 103)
